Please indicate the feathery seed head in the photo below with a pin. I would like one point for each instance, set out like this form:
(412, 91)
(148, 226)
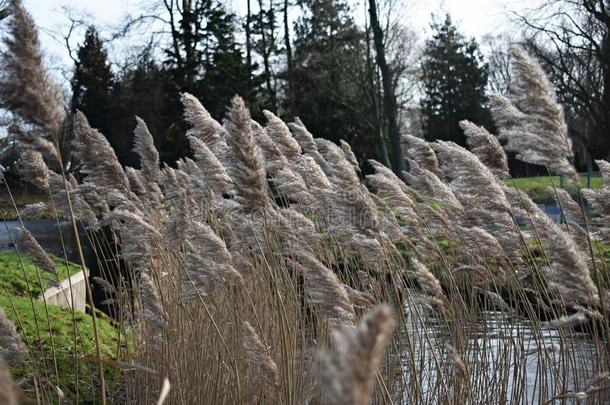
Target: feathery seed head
(259, 355)
(248, 168)
(486, 147)
(33, 169)
(144, 146)
(349, 372)
(96, 156)
(532, 121)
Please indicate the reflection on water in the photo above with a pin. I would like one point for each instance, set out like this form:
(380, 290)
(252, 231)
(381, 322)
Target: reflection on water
(508, 361)
(50, 234)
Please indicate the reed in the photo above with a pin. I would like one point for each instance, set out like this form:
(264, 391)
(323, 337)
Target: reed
(265, 270)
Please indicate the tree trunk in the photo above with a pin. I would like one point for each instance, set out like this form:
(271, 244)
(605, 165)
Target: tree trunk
(389, 97)
(248, 38)
(266, 54)
(605, 62)
(290, 85)
(372, 95)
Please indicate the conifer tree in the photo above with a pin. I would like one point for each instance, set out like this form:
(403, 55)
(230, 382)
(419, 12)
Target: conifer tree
(454, 77)
(329, 51)
(92, 82)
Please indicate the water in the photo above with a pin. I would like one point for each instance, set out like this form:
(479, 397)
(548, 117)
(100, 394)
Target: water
(48, 233)
(508, 360)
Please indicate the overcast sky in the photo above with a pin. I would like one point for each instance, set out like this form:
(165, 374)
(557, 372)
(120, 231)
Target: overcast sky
(473, 17)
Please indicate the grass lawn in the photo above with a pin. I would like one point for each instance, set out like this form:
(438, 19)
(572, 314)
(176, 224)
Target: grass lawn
(52, 340)
(537, 187)
(74, 369)
(12, 277)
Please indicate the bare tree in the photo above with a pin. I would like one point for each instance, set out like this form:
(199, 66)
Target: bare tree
(389, 96)
(289, 63)
(498, 59)
(572, 39)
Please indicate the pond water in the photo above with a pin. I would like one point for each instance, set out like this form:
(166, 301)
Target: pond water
(52, 235)
(524, 365)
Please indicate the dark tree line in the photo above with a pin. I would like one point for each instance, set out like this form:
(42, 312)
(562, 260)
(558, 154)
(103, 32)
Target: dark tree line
(356, 82)
(343, 80)
(454, 77)
(339, 78)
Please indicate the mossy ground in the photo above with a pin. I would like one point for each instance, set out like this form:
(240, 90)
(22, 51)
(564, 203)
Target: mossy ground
(17, 272)
(63, 340)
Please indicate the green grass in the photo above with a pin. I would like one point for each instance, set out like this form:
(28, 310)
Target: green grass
(537, 187)
(19, 311)
(12, 276)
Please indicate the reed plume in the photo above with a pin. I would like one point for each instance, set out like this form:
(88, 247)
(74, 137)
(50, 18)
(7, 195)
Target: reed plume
(33, 169)
(136, 181)
(486, 147)
(204, 127)
(208, 262)
(144, 146)
(394, 191)
(568, 321)
(567, 203)
(40, 258)
(531, 121)
(248, 168)
(152, 307)
(349, 155)
(458, 364)
(307, 143)
(600, 199)
(96, 157)
(359, 299)
(13, 348)
(35, 210)
(26, 89)
(259, 355)
(349, 372)
(480, 193)
(567, 270)
(430, 185)
(216, 175)
(281, 136)
(312, 174)
(338, 167)
(326, 292)
(428, 282)
(80, 207)
(421, 152)
(481, 241)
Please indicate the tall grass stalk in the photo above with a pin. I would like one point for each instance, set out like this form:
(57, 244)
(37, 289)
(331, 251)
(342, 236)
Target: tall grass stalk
(265, 270)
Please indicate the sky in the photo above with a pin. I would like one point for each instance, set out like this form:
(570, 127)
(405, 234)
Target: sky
(474, 18)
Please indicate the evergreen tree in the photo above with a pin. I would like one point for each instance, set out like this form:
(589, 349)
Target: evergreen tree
(226, 72)
(92, 82)
(204, 57)
(144, 89)
(329, 51)
(454, 77)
